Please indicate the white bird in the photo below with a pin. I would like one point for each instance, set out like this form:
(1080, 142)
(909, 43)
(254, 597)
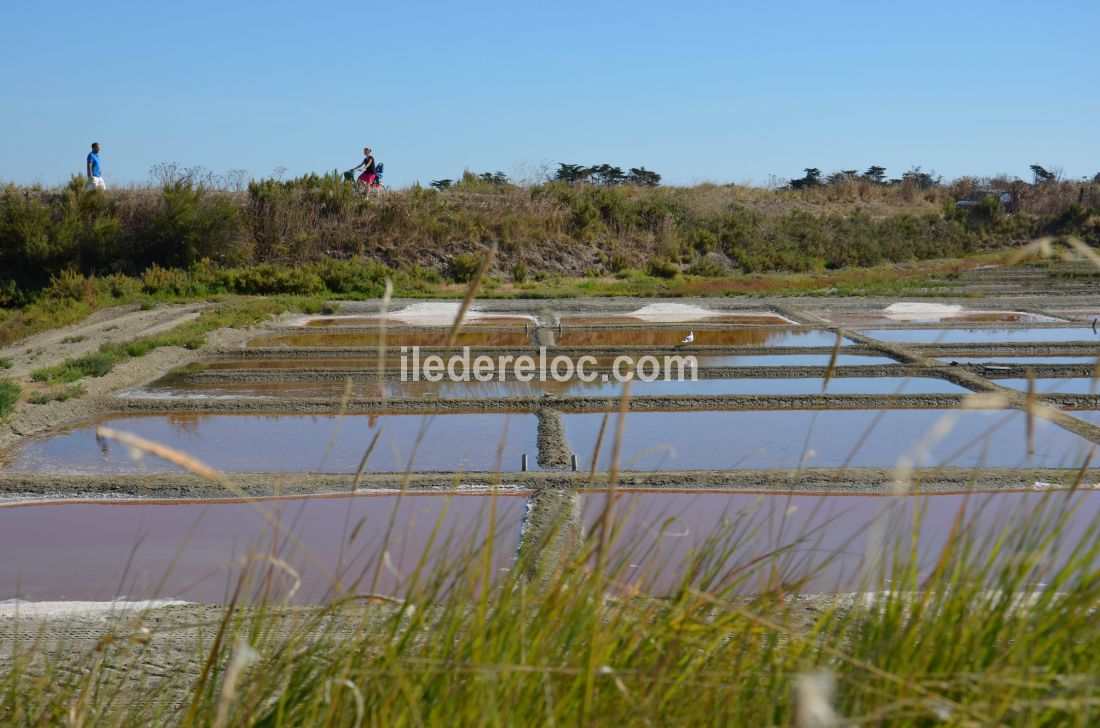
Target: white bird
(689, 338)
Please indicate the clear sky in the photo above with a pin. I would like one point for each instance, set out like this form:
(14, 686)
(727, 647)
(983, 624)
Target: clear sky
(728, 91)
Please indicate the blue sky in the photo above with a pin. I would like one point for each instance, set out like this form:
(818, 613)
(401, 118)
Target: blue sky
(703, 91)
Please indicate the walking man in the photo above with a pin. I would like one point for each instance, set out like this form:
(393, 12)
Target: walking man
(95, 174)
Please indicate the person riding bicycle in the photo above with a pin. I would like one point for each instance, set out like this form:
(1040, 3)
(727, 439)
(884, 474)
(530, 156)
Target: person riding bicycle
(367, 168)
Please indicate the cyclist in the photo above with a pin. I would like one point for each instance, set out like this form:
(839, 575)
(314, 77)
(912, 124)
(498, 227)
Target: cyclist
(367, 168)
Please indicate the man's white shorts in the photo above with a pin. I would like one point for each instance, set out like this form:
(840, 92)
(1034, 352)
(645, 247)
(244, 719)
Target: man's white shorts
(97, 182)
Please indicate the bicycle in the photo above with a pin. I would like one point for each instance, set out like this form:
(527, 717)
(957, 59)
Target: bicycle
(374, 189)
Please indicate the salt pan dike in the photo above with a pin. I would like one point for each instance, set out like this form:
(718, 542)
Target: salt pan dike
(430, 313)
(24, 609)
(676, 313)
(931, 313)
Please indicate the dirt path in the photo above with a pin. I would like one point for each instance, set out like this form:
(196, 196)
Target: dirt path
(16, 488)
(112, 325)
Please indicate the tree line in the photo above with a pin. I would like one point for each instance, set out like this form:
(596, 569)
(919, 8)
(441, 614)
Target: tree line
(875, 174)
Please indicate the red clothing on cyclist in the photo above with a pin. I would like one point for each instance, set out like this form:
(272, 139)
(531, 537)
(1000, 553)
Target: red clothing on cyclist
(368, 176)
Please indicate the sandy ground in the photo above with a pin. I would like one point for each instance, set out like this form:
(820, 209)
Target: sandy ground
(108, 326)
(19, 489)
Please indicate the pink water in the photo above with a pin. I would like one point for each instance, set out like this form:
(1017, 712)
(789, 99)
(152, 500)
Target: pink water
(187, 551)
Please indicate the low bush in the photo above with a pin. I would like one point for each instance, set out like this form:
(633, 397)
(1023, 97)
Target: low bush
(96, 364)
(57, 395)
(659, 268)
(60, 239)
(192, 224)
(9, 395)
(519, 272)
(708, 268)
(464, 266)
(268, 279)
(344, 277)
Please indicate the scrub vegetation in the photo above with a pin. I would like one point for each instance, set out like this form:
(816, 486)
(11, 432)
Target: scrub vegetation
(67, 252)
(553, 228)
(9, 395)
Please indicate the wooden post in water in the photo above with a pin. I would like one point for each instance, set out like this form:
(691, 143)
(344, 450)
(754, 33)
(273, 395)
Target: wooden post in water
(573, 461)
(523, 465)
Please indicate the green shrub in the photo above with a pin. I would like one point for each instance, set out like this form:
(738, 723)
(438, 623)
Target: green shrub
(159, 281)
(340, 276)
(68, 284)
(97, 364)
(268, 279)
(464, 266)
(660, 268)
(5, 363)
(708, 268)
(704, 241)
(117, 285)
(58, 395)
(617, 263)
(9, 395)
(519, 272)
(193, 225)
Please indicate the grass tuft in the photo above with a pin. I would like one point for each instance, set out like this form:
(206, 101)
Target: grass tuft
(9, 395)
(57, 395)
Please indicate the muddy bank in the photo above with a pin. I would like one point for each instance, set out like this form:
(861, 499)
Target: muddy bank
(550, 535)
(1008, 349)
(36, 418)
(554, 451)
(1000, 370)
(32, 419)
(355, 405)
(109, 326)
(1035, 299)
(16, 487)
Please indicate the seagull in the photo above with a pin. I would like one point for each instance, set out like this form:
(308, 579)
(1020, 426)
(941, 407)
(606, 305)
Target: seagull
(689, 338)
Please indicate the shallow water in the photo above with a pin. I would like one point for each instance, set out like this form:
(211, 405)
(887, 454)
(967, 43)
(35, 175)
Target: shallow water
(704, 337)
(394, 339)
(1055, 385)
(359, 362)
(599, 319)
(982, 335)
(846, 318)
(706, 360)
(1092, 416)
(781, 439)
(293, 443)
(998, 359)
(335, 322)
(83, 551)
(335, 389)
(791, 360)
(187, 550)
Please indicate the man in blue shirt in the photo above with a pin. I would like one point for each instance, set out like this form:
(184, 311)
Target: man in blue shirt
(95, 175)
